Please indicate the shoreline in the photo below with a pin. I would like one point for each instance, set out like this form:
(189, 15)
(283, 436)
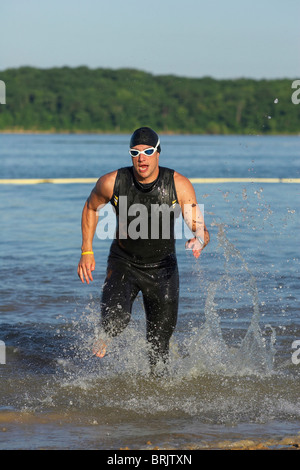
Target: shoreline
(112, 132)
(9, 420)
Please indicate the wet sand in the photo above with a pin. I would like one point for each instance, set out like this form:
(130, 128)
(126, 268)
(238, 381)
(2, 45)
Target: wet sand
(10, 420)
(287, 443)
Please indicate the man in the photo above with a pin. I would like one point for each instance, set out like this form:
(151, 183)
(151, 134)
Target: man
(142, 256)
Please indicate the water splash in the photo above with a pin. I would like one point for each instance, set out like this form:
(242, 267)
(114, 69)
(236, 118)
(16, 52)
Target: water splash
(210, 378)
(201, 350)
(208, 350)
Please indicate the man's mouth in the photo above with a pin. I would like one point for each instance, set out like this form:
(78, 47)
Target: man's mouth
(143, 168)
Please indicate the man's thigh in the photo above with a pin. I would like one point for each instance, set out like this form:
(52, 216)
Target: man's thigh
(118, 294)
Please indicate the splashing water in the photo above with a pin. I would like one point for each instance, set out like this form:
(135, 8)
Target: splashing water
(208, 349)
(209, 379)
(204, 350)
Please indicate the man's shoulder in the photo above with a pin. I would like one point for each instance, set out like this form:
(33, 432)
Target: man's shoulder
(108, 178)
(105, 184)
(180, 179)
(125, 170)
(183, 185)
(165, 171)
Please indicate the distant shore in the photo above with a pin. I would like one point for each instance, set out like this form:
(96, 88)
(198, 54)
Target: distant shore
(118, 132)
(115, 101)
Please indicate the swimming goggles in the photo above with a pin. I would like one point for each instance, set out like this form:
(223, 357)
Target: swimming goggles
(148, 152)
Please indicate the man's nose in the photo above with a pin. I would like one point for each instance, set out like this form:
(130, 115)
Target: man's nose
(141, 157)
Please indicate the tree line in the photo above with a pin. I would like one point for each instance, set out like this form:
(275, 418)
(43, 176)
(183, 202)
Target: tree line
(81, 99)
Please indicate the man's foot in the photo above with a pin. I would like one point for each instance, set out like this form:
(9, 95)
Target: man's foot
(100, 347)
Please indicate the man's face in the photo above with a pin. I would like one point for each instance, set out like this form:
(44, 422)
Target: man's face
(146, 168)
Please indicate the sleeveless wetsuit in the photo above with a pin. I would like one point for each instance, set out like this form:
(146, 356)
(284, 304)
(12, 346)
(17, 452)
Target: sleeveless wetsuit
(142, 258)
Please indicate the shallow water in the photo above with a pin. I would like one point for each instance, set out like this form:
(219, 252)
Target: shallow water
(233, 373)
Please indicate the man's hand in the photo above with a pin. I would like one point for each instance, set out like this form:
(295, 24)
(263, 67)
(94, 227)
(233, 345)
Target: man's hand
(85, 267)
(195, 245)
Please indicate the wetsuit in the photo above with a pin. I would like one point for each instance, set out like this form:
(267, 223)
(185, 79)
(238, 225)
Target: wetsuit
(143, 259)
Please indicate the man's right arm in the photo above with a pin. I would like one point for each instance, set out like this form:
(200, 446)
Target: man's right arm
(99, 197)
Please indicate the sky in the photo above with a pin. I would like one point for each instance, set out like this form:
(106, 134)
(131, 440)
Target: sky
(190, 38)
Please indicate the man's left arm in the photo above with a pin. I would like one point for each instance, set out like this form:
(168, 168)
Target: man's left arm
(192, 214)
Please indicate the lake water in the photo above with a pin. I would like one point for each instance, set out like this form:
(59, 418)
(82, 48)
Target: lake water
(234, 371)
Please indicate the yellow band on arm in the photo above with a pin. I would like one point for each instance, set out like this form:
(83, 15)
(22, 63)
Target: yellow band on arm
(87, 253)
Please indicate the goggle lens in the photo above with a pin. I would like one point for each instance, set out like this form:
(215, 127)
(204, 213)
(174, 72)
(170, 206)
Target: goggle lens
(149, 152)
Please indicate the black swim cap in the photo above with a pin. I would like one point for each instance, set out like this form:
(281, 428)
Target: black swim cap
(144, 136)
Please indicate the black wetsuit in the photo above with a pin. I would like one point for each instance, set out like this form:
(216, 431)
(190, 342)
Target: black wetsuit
(143, 259)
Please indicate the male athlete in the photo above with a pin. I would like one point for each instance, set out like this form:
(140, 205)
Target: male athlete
(142, 256)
